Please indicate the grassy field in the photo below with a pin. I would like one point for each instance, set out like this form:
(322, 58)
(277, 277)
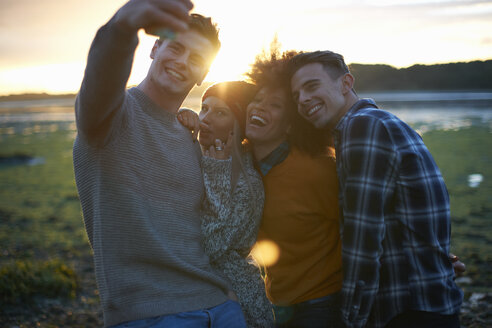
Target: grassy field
(460, 154)
(46, 255)
(41, 222)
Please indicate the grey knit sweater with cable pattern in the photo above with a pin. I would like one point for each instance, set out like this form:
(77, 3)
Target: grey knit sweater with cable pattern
(230, 224)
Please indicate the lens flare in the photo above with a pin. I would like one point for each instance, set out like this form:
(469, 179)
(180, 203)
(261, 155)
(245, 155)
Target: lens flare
(266, 252)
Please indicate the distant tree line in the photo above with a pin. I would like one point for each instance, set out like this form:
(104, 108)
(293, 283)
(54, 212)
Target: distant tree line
(36, 96)
(476, 75)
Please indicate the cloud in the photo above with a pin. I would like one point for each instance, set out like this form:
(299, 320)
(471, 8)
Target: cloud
(477, 9)
(420, 3)
(486, 41)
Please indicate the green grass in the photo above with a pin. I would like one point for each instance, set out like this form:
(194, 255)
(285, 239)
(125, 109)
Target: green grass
(459, 154)
(21, 281)
(40, 214)
(41, 221)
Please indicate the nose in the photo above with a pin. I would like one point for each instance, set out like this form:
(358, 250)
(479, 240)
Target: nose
(260, 105)
(182, 60)
(303, 97)
(204, 117)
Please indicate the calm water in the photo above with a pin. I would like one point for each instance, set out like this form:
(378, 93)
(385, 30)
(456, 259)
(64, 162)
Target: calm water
(36, 116)
(425, 111)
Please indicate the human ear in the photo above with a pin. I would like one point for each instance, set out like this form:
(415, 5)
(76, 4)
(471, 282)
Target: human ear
(347, 83)
(154, 48)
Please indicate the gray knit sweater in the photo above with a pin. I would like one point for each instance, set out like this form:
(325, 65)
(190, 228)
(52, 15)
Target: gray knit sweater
(230, 224)
(141, 187)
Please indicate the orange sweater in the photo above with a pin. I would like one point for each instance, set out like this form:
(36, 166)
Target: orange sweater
(301, 217)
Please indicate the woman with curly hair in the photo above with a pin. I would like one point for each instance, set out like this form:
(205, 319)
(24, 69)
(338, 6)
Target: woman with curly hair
(300, 215)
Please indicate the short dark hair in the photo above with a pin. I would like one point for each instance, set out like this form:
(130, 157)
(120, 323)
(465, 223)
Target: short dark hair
(333, 63)
(205, 27)
(273, 72)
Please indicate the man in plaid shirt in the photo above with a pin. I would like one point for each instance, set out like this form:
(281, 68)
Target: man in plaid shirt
(393, 201)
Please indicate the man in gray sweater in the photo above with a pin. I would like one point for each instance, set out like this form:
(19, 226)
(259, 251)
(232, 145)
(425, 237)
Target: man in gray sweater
(138, 174)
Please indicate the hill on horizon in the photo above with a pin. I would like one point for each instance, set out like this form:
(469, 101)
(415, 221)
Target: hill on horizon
(475, 75)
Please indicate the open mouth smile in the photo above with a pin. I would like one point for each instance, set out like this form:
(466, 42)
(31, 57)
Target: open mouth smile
(257, 120)
(313, 110)
(175, 74)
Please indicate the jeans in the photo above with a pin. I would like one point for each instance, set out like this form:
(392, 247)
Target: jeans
(225, 315)
(323, 312)
(421, 319)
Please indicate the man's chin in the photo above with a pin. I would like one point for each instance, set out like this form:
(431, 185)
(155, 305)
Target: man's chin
(312, 121)
(177, 88)
(319, 124)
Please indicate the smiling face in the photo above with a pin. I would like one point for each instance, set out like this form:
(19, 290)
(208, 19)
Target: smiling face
(181, 63)
(267, 121)
(216, 121)
(321, 99)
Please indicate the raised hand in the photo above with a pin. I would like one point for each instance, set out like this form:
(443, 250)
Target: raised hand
(458, 266)
(190, 120)
(220, 150)
(152, 15)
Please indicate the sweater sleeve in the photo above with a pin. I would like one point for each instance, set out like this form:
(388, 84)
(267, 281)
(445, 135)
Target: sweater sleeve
(217, 206)
(102, 91)
(229, 219)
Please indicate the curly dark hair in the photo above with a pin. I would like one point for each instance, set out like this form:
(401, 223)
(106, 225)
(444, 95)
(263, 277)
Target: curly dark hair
(273, 70)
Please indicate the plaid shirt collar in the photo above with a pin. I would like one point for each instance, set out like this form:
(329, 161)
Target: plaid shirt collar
(277, 156)
(362, 103)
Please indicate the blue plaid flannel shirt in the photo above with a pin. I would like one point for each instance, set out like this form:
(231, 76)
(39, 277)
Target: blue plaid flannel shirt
(277, 156)
(396, 221)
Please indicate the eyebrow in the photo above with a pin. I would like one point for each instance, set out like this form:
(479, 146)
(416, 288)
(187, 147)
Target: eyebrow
(309, 82)
(294, 93)
(276, 98)
(195, 53)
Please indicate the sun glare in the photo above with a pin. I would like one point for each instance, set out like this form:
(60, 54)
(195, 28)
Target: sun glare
(450, 33)
(55, 78)
(234, 58)
(226, 68)
(229, 64)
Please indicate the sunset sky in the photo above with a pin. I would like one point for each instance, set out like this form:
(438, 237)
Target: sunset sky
(44, 44)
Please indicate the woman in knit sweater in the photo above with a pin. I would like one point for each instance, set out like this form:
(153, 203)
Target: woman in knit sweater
(234, 200)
